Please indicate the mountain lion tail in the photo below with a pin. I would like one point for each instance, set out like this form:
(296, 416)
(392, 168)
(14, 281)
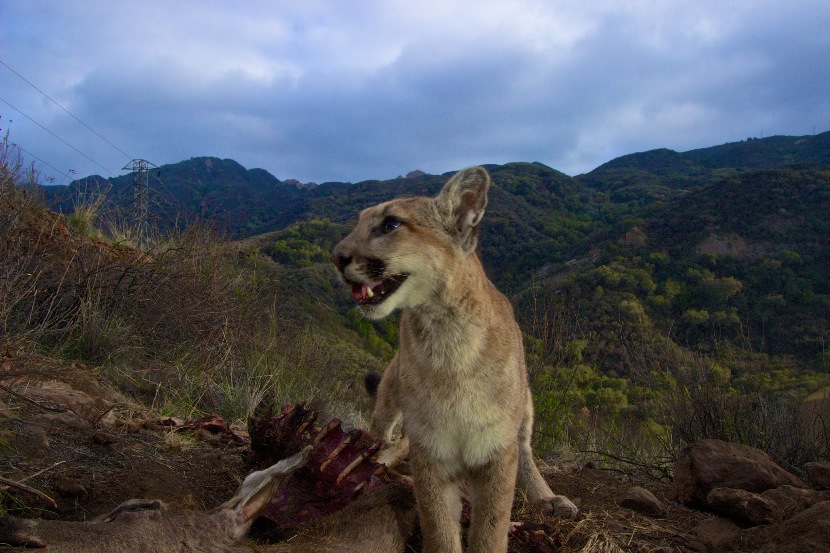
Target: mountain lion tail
(371, 382)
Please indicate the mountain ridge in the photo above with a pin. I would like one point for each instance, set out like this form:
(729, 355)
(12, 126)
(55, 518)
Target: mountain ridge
(203, 185)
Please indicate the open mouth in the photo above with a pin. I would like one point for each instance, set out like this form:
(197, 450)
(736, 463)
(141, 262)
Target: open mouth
(374, 292)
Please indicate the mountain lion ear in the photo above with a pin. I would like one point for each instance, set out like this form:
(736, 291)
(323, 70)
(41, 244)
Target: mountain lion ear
(463, 200)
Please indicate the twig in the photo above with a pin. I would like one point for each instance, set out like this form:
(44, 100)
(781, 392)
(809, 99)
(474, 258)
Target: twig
(647, 466)
(29, 489)
(33, 402)
(100, 417)
(41, 471)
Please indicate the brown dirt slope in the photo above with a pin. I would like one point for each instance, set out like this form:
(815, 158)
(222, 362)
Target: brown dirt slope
(66, 433)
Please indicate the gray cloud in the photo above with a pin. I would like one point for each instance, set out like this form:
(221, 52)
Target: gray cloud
(349, 91)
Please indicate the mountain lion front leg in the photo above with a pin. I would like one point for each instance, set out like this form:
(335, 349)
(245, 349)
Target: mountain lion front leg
(530, 481)
(438, 495)
(491, 495)
(386, 415)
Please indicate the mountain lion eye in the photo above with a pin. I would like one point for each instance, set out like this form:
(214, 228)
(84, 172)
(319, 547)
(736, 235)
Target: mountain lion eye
(389, 225)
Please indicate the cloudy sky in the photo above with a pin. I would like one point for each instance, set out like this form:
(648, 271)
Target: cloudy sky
(352, 90)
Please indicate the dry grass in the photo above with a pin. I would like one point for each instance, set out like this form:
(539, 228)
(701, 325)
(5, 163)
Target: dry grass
(621, 531)
(178, 441)
(86, 213)
(185, 325)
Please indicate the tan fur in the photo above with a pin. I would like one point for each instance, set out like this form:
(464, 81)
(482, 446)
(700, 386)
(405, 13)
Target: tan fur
(380, 522)
(459, 379)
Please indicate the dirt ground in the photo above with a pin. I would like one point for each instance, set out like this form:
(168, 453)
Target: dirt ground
(68, 435)
(64, 432)
(605, 526)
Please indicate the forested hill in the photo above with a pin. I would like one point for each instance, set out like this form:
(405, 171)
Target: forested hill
(536, 214)
(222, 191)
(656, 174)
(733, 268)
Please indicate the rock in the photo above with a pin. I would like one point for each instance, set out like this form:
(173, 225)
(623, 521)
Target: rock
(66, 418)
(709, 464)
(31, 441)
(61, 393)
(642, 501)
(806, 532)
(818, 474)
(744, 507)
(69, 487)
(794, 500)
(716, 531)
(104, 438)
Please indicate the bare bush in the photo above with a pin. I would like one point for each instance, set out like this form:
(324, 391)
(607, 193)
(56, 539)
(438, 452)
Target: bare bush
(696, 407)
(22, 241)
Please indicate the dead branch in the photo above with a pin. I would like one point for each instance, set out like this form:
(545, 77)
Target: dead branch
(37, 493)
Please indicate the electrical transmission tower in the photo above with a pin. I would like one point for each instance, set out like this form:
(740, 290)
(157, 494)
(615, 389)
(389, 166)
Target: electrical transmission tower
(141, 197)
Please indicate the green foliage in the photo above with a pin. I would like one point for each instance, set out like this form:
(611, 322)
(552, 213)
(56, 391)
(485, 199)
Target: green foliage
(696, 316)
(718, 291)
(724, 267)
(295, 251)
(380, 337)
(304, 244)
(564, 394)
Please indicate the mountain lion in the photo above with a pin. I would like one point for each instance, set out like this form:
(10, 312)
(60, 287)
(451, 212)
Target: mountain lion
(459, 378)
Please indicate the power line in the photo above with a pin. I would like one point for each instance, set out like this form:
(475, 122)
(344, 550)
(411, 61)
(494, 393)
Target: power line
(22, 149)
(64, 109)
(56, 136)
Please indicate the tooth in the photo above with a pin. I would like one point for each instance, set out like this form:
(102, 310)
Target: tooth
(369, 292)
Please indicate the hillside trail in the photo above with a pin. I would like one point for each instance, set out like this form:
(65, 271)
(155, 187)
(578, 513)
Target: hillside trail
(69, 436)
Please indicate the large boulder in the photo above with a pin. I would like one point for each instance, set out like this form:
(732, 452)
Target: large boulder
(806, 532)
(642, 501)
(818, 474)
(709, 464)
(744, 507)
(794, 500)
(714, 532)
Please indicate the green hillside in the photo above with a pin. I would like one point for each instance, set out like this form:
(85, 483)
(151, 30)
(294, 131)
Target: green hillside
(680, 219)
(765, 153)
(536, 215)
(640, 178)
(734, 268)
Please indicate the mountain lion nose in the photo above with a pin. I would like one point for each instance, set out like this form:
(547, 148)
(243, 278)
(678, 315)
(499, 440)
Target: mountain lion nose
(340, 261)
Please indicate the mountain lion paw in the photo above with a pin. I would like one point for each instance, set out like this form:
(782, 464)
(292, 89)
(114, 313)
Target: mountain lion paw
(559, 506)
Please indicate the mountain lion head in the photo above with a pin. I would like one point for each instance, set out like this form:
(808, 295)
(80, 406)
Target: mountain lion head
(403, 252)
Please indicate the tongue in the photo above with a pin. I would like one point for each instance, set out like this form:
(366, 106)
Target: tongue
(365, 291)
(360, 292)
